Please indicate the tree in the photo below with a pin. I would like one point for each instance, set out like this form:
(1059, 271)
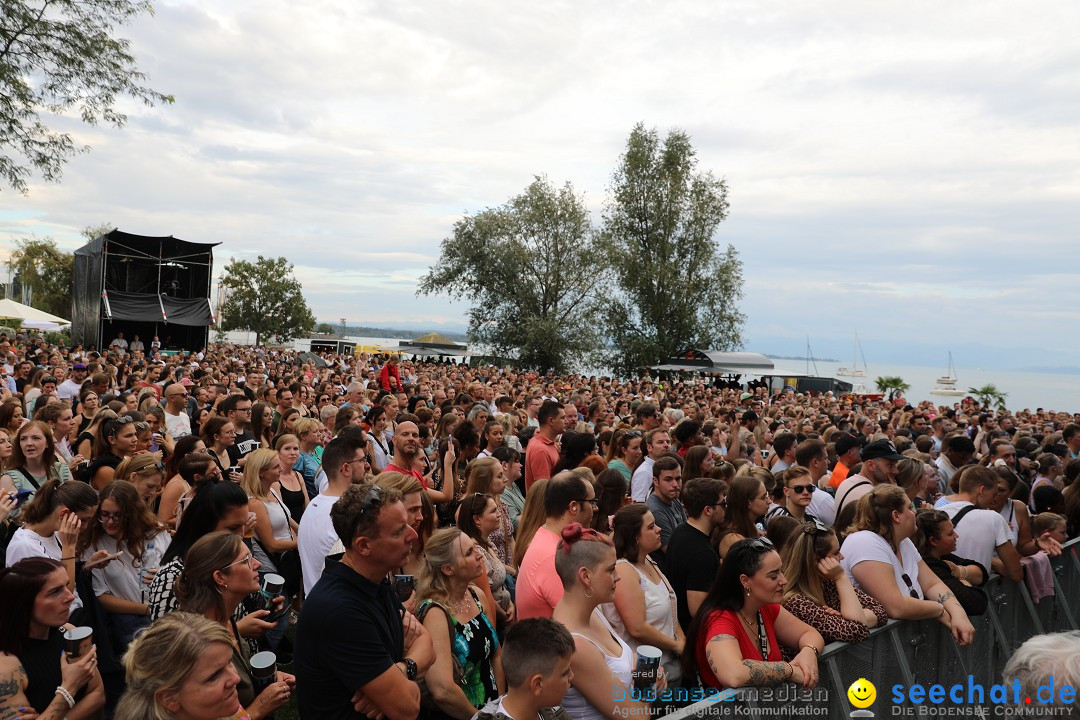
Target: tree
(44, 274)
(531, 269)
(893, 385)
(57, 56)
(325, 329)
(263, 297)
(988, 395)
(674, 287)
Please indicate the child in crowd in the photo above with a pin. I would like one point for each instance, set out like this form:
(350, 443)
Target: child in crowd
(536, 662)
(1051, 522)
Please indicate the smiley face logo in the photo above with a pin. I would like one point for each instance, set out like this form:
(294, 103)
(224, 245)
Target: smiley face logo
(862, 693)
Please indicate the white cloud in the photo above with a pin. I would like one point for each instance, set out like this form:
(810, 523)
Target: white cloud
(896, 166)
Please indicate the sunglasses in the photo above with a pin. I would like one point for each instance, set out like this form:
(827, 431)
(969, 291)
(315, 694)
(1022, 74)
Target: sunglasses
(800, 489)
(762, 545)
(911, 588)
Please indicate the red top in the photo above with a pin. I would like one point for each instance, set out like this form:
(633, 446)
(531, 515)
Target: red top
(727, 622)
(390, 371)
(415, 473)
(540, 459)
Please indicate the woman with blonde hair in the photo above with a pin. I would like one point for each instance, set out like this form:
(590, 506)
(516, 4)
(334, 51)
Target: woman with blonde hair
(880, 558)
(275, 530)
(459, 629)
(818, 591)
(145, 472)
(180, 668)
(219, 572)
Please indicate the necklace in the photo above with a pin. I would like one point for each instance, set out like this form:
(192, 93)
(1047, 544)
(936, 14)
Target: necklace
(462, 606)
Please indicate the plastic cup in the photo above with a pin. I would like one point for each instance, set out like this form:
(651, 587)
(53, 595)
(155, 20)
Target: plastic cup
(249, 526)
(648, 666)
(78, 641)
(263, 670)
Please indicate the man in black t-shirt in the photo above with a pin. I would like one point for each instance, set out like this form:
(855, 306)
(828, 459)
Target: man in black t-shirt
(238, 409)
(358, 653)
(691, 562)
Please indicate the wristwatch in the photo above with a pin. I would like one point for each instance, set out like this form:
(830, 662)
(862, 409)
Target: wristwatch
(410, 668)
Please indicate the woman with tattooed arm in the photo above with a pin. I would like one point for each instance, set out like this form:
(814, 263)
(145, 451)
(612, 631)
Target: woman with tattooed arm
(735, 638)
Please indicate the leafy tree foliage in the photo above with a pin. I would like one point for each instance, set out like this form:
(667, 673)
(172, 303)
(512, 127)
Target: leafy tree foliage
(59, 56)
(892, 384)
(43, 272)
(989, 396)
(531, 270)
(325, 329)
(264, 298)
(675, 287)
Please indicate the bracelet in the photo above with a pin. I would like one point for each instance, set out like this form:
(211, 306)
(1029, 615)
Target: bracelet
(69, 557)
(816, 651)
(790, 671)
(66, 695)
(942, 613)
(964, 568)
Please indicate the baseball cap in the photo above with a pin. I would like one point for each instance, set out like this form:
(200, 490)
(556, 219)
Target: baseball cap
(880, 449)
(79, 366)
(846, 441)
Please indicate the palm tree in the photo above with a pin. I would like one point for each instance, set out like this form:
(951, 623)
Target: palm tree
(989, 395)
(893, 385)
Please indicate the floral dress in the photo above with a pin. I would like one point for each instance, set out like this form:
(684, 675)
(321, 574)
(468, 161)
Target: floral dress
(473, 646)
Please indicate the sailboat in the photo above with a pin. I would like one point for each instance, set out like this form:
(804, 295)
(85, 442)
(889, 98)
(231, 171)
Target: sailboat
(946, 384)
(854, 370)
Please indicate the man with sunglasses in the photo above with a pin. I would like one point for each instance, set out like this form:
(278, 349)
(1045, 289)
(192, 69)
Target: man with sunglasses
(177, 422)
(799, 488)
(691, 561)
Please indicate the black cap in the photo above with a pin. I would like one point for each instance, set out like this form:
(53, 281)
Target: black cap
(846, 441)
(880, 449)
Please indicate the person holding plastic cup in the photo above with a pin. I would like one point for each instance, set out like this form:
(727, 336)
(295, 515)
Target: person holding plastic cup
(603, 664)
(219, 572)
(33, 664)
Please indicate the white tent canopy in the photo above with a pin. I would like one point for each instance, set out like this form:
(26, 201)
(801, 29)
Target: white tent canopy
(28, 317)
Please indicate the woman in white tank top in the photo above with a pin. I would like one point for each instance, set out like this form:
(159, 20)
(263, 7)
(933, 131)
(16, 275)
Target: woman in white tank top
(643, 591)
(602, 664)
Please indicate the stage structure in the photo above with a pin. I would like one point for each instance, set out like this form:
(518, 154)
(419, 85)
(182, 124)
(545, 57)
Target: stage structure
(143, 286)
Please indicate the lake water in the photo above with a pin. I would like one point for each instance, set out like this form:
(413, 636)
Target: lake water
(1025, 389)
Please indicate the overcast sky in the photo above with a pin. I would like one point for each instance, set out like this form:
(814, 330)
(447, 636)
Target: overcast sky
(909, 170)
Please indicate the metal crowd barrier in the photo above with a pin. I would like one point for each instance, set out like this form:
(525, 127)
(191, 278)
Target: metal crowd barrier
(918, 652)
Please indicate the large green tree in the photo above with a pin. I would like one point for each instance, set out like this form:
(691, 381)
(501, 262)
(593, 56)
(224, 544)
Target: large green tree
(264, 297)
(42, 275)
(531, 270)
(60, 57)
(674, 286)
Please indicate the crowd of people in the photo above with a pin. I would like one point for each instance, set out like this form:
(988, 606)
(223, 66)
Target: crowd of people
(431, 539)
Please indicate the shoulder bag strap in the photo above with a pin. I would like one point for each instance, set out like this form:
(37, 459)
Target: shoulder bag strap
(848, 492)
(960, 515)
